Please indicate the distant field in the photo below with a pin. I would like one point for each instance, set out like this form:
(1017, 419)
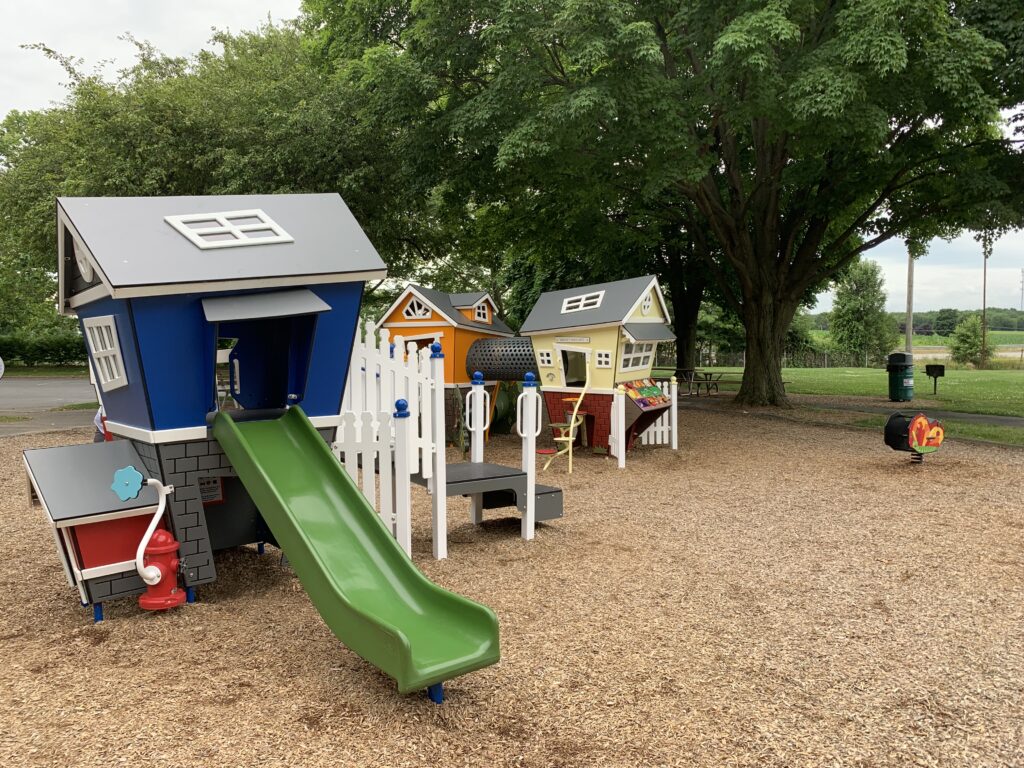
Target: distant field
(968, 391)
(996, 338)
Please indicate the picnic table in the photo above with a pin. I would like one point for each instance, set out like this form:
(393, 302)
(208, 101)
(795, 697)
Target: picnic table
(696, 378)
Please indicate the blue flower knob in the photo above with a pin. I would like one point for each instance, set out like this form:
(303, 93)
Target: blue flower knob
(127, 483)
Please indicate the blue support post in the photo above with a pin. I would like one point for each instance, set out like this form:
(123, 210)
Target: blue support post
(261, 547)
(97, 613)
(190, 595)
(436, 693)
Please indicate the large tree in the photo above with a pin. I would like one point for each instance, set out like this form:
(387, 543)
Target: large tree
(259, 116)
(801, 133)
(859, 324)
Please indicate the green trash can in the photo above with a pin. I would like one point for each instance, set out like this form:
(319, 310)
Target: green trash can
(901, 377)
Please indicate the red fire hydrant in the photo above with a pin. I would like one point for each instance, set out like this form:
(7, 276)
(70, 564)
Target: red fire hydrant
(162, 552)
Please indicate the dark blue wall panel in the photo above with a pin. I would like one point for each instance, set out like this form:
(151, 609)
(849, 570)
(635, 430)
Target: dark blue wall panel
(125, 405)
(177, 347)
(332, 347)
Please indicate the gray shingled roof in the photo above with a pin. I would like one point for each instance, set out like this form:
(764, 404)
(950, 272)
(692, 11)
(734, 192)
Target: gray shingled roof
(649, 331)
(464, 300)
(619, 298)
(135, 247)
(445, 304)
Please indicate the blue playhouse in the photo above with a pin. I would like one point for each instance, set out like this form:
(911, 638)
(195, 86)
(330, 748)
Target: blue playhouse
(219, 331)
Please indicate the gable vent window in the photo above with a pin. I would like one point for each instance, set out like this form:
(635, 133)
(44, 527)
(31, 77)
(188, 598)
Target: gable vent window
(648, 303)
(480, 312)
(229, 229)
(416, 310)
(580, 303)
(101, 335)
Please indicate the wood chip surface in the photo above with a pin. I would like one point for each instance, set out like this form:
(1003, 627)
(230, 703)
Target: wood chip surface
(773, 594)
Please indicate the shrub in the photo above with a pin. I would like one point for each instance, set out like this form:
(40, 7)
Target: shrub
(52, 348)
(965, 345)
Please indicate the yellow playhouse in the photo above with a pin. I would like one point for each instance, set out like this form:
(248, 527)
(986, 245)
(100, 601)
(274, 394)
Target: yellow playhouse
(591, 339)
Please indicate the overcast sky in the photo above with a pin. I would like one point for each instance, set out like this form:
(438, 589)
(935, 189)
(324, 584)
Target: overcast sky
(950, 276)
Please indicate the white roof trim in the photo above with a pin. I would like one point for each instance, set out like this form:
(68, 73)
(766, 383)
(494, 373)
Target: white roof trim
(661, 302)
(63, 302)
(410, 291)
(171, 289)
(563, 329)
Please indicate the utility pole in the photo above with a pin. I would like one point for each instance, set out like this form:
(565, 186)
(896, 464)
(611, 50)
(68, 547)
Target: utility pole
(910, 301)
(986, 249)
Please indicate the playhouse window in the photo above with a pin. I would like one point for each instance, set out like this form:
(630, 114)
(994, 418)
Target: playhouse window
(416, 310)
(480, 312)
(645, 306)
(585, 301)
(101, 335)
(637, 356)
(604, 358)
(229, 229)
(544, 359)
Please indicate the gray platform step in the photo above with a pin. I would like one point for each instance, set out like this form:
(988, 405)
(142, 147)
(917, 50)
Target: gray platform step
(549, 501)
(500, 487)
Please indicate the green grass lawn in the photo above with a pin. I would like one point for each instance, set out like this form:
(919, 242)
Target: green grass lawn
(4, 419)
(996, 338)
(47, 370)
(91, 406)
(968, 391)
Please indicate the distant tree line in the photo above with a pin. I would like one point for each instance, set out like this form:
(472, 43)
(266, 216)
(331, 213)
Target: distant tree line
(942, 322)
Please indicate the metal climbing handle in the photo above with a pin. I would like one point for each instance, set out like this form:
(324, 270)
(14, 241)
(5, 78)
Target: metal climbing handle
(486, 407)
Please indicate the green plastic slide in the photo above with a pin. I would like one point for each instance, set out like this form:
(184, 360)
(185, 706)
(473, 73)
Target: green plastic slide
(364, 586)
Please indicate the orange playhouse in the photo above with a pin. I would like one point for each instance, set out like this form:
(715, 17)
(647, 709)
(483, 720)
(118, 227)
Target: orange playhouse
(456, 320)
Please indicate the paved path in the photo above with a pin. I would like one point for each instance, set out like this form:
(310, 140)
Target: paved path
(723, 401)
(32, 401)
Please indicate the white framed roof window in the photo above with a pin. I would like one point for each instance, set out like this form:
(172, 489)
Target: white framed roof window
(582, 302)
(229, 229)
(416, 310)
(101, 335)
(482, 313)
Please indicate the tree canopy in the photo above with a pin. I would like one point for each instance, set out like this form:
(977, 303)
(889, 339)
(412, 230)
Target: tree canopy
(746, 152)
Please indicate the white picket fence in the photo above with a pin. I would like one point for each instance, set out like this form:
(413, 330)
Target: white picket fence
(381, 373)
(664, 431)
(365, 448)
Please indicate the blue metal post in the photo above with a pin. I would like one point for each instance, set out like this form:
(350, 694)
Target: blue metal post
(436, 693)
(190, 595)
(260, 548)
(97, 613)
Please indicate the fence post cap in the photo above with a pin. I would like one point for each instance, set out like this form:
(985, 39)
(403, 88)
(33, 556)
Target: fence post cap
(621, 388)
(530, 379)
(435, 350)
(401, 409)
(478, 378)
(673, 379)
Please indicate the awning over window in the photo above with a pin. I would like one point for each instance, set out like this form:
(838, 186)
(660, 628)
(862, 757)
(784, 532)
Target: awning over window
(255, 306)
(648, 332)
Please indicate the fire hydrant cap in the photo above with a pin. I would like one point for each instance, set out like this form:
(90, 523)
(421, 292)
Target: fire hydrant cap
(161, 542)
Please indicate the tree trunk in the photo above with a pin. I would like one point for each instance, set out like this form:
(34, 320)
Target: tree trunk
(686, 280)
(766, 320)
(687, 291)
